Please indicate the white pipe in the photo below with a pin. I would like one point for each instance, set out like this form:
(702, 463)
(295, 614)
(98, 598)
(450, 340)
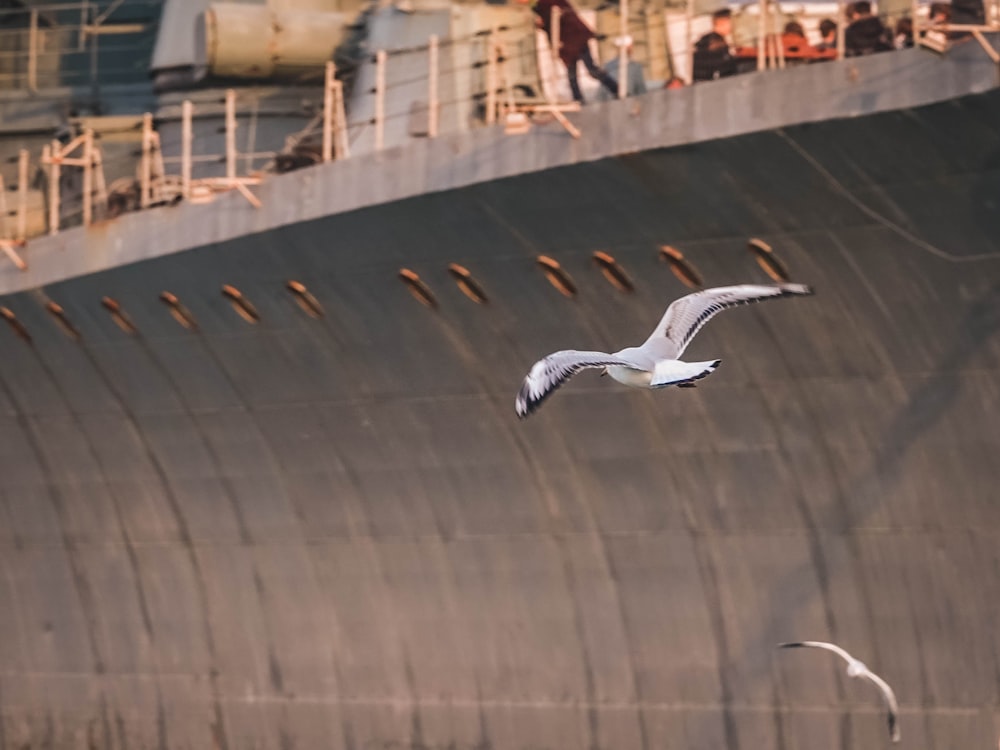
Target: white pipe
(432, 87)
(22, 193)
(145, 184)
(231, 134)
(88, 176)
(379, 100)
(491, 78)
(328, 95)
(622, 58)
(53, 156)
(187, 137)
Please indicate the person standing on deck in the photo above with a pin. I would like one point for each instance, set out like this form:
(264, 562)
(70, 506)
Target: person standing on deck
(574, 36)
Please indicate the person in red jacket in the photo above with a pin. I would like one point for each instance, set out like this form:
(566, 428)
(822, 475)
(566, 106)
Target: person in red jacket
(574, 36)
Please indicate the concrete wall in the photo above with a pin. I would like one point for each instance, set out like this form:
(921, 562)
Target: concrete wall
(335, 533)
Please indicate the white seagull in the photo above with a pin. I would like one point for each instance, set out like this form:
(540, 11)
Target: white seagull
(656, 363)
(857, 668)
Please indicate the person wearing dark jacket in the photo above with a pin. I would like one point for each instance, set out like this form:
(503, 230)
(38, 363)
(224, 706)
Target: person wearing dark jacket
(712, 56)
(866, 33)
(574, 36)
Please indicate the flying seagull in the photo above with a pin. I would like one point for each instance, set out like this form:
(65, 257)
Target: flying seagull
(857, 668)
(656, 363)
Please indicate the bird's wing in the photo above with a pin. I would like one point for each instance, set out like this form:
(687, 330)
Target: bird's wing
(890, 702)
(685, 316)
(820, 644)
(548, 374)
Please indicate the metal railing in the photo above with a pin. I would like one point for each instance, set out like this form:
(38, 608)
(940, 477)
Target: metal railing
(61, 44)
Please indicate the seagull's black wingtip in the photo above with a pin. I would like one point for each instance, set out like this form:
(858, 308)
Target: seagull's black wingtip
(795, 644)
(792, 289)
(894, 733)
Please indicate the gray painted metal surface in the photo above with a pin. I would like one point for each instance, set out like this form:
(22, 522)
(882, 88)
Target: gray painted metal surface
(335, 533)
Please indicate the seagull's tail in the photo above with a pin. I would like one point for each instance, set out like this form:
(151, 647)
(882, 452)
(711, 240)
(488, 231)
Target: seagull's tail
(675, 372)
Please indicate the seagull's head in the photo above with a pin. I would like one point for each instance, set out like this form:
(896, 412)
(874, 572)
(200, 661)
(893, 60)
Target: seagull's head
(856, 668)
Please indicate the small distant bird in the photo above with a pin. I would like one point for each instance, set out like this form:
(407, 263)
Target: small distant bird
(655, 364)
(857, 668)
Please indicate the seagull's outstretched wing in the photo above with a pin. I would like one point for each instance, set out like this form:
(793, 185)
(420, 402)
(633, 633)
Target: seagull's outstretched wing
(548, 374)
(820, 644)
(890, 702)
(887, 693)
(685, 316)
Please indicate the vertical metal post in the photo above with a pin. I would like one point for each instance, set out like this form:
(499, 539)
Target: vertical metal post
(841, 22)
(88, 176)
(231, 134)
(146, 167)
(53, 158)
(432, 87)
(688, 35)
(556, 42)
(762, 35)
(491, 78)
(33, 51)
(622, 54)
(3, 210)
(914, 10)
(101, 186)
(343, 146)
(779, 38)
(379, 100)
(187, 138)
(328, 95)
(22, 194)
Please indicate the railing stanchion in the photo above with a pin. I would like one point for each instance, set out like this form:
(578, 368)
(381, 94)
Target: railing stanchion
(623, 35)
(761, 34)
(491, 78)
(22, 194)
(88, 176)
(52, 152)
(3, 210)
(33, 51)
(340, 123)
(689, 36)
(432, 87)
(101, 187)
(328, 95)
(379, 100)
(146, 167)
(779, 41)
(841, 17)
(914, 17)
(231, 134)
(556, 42)
(187, 136)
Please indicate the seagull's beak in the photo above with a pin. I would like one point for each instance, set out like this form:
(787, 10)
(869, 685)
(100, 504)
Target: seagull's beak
(604, 371)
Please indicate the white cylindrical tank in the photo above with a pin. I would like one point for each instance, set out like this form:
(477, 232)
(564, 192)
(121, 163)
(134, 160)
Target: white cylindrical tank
(258, 41)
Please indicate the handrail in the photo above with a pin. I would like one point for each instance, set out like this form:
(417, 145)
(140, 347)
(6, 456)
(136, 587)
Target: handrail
(40, 43)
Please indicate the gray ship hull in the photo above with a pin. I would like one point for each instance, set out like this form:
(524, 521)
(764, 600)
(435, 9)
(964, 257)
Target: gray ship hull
(335, 533)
